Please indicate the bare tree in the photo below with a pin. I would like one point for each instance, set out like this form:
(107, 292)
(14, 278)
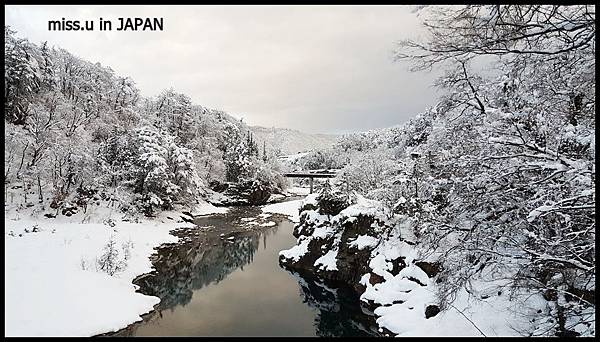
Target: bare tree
(463, 32)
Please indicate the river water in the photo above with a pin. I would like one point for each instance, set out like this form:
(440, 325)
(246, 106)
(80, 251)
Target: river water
(224, 279)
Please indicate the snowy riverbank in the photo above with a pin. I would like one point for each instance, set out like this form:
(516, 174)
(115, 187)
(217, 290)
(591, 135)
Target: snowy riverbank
(53, 284)
(379, 256)
(289, 209)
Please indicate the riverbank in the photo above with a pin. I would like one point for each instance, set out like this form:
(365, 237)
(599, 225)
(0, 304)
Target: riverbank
(357, 242)
(57, 280)
(54, 272)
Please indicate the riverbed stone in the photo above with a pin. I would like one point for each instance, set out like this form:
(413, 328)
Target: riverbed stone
(430, 268)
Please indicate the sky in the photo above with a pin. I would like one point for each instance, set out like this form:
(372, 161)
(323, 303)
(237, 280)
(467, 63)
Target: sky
(317, 69)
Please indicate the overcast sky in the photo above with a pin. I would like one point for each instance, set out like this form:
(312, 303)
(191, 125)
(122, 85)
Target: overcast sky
(318, 69)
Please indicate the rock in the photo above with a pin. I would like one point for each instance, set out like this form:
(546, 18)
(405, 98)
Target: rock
(413, 279)
(50, 215)
(258, 194)
(187, 218)
(430, 268)
(352, 263)
(431, 311)
(375, 278)
(398, 265)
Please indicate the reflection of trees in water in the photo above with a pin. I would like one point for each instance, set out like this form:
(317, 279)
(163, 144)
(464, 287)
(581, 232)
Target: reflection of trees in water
(197, 262)
(207, 258)
(340, 313)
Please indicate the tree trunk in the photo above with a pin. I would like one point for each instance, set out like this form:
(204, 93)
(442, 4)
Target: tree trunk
(41, 196)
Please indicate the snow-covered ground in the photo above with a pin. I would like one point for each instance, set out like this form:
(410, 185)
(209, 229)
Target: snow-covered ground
(297, 190)
(489, 310)
(206, 208)
(53, 286)
(289, 208)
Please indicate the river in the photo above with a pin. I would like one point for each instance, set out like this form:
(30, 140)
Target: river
(223, 278)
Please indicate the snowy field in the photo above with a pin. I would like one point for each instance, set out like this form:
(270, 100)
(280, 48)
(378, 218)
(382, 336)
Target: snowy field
(53, 284)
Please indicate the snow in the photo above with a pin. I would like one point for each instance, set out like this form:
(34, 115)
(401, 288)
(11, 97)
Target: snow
(312, 217)
(587, 192)
(403, 302)
(322, 232)
(268, 224)
(404, 297)
(364, 241)
(296, 252)
(328, 261)
(49, 293)
(311, 199)
(276, 197)
(289, 208)
(298, 190)
(535, 213)
(363, 206)
(495, 316)
(379, 265)
(206, 208)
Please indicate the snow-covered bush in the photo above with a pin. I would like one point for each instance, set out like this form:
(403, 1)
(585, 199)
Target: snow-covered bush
(111, 261)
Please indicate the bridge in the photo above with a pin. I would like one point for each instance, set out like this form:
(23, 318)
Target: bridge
(310, 175)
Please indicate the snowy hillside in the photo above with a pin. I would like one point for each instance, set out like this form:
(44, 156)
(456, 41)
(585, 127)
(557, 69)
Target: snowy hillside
(290, 141)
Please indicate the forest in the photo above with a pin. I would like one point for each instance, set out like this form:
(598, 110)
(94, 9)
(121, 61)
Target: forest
(76, 133)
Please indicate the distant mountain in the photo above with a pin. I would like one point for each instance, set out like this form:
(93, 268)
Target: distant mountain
(291, 141)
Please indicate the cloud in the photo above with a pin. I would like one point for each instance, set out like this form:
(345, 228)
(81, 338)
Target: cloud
(312, 68)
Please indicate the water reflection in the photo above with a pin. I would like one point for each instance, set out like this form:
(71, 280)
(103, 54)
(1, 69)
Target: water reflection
(218, 281)
(201, 259)
(339, 309)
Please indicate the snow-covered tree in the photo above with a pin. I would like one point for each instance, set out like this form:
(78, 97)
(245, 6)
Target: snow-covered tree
(511, 187)
(76, 129)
